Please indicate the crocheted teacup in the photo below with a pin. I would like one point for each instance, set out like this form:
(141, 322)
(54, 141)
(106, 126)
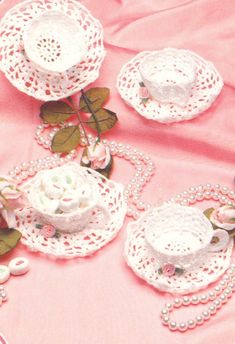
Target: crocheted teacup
(54, 42)
(64, 198)
(181, 236)
(169, 76)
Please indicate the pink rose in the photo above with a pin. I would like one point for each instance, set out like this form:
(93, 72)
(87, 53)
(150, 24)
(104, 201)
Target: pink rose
(143, 92)
(98, 155)
(10, 196)
(48, 231)
(168, 270)
(224, 217)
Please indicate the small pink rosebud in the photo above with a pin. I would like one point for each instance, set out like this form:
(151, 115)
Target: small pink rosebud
(143, 92)
(98, 155)
(168, 270)
(48, 231)
(224, 217)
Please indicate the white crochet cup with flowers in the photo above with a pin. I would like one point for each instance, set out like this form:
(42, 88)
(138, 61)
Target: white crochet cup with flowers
(181, 237)
(169, 79)
(54, 42)
(64, 198)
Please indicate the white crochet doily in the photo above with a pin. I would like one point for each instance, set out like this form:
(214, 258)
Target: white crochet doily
(206, 88)
(22, 73)
(84, 242)
(142, 260)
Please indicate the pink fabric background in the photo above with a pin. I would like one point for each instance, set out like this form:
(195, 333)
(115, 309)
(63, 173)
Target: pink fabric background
(99, 300)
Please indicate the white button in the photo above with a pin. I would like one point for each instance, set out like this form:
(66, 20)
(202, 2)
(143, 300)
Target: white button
(19, 266)
(4, 273)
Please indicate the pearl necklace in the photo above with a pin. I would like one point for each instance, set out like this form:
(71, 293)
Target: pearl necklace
(223, 291)
(218, 297)
(144, 167)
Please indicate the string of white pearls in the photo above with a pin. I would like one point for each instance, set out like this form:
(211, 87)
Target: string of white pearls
(217, 298)
(208, 191)
(144, 167)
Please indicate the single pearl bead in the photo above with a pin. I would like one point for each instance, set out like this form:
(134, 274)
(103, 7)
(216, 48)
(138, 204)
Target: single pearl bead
(17, 170)
(199, 196)
(206, 315)
(223, 284)
(217, 187)
(4, 296)
(211, 296)
(215, 196)
(223, 298)
(192, 190)
(230, 271)
(200, 188)
(192, 199)
(223, 199)
(185, 202)
(226, 278)
(195, 300)
(203, 299)
(228, 292)
(165, 320)
(24, 166)
(199, 319)
(12, 174)
(217, 304)
(177, 302)
(207, 195)
(182, 327)
(164, 311)
(217, 290)
(212, 309)
(231, 194)
(172, 325)
(224, 190)
(232, 286)
(186, 300)
(191, 324)
(169, 306)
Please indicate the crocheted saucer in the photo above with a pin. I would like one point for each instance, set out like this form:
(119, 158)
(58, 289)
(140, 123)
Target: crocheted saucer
(15, 58)
(179, 84)
(83, 242)
(143, 260)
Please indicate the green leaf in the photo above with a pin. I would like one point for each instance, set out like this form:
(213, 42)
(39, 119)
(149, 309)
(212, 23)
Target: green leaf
(8, 239)
(231, 233)
(179, 271)
(208, 213)
(232, 219)
(66, 140)
(56, 112)
(105, 172)
(84, 154)
(106, 118)
(96, 96)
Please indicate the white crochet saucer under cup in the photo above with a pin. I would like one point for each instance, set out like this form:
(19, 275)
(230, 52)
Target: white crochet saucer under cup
(180, 235)
(179, 84)
(54, 42)
(76, 243)
(77, 211)
(169, 80)
(50, 49)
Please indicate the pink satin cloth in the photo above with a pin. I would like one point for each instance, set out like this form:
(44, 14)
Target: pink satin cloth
(99, 300)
